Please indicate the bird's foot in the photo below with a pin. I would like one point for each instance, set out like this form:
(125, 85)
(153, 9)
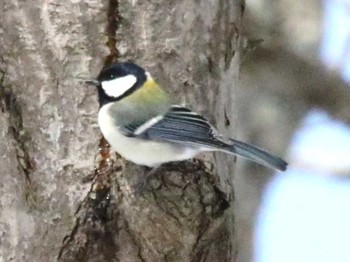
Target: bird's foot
(142, 182)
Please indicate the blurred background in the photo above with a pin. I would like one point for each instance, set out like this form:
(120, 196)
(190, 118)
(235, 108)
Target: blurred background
(295, 90)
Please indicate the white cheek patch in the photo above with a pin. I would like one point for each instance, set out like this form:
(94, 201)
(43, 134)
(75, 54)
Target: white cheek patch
(117, 87)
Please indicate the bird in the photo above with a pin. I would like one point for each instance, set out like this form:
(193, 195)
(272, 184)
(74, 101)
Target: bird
(142, 123)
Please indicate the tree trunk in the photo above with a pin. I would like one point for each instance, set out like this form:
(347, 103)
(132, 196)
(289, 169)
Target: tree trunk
(54, 204)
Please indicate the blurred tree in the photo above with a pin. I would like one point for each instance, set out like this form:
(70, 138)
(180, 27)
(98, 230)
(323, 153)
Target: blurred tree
(280, 81)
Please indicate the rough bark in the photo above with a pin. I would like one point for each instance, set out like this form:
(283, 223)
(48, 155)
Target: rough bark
(50, 139)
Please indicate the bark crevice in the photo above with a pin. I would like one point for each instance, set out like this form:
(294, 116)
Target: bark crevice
(113, 19)
(10, 104)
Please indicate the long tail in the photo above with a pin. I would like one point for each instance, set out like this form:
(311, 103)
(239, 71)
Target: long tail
(257, 155)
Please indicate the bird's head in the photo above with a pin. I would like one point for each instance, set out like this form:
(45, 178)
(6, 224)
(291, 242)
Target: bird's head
(119, 80)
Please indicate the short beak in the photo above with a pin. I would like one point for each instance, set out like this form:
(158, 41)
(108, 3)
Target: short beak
(92, 82)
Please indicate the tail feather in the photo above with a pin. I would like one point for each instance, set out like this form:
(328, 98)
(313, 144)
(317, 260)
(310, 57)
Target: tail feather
(257, 155)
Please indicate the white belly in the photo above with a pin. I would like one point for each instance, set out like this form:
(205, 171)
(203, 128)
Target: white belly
(140, 151)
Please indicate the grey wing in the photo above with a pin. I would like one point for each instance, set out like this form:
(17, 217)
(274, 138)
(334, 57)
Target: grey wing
(178, 125)
(181, 125)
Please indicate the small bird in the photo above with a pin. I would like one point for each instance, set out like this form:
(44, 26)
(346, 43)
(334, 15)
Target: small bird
(141, 122)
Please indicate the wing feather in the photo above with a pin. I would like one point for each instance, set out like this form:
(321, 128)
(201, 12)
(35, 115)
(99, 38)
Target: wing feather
(178, 125)
(181, 125)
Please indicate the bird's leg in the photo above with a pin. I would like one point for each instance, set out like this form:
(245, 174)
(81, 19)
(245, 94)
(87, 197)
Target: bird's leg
(142, 182)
